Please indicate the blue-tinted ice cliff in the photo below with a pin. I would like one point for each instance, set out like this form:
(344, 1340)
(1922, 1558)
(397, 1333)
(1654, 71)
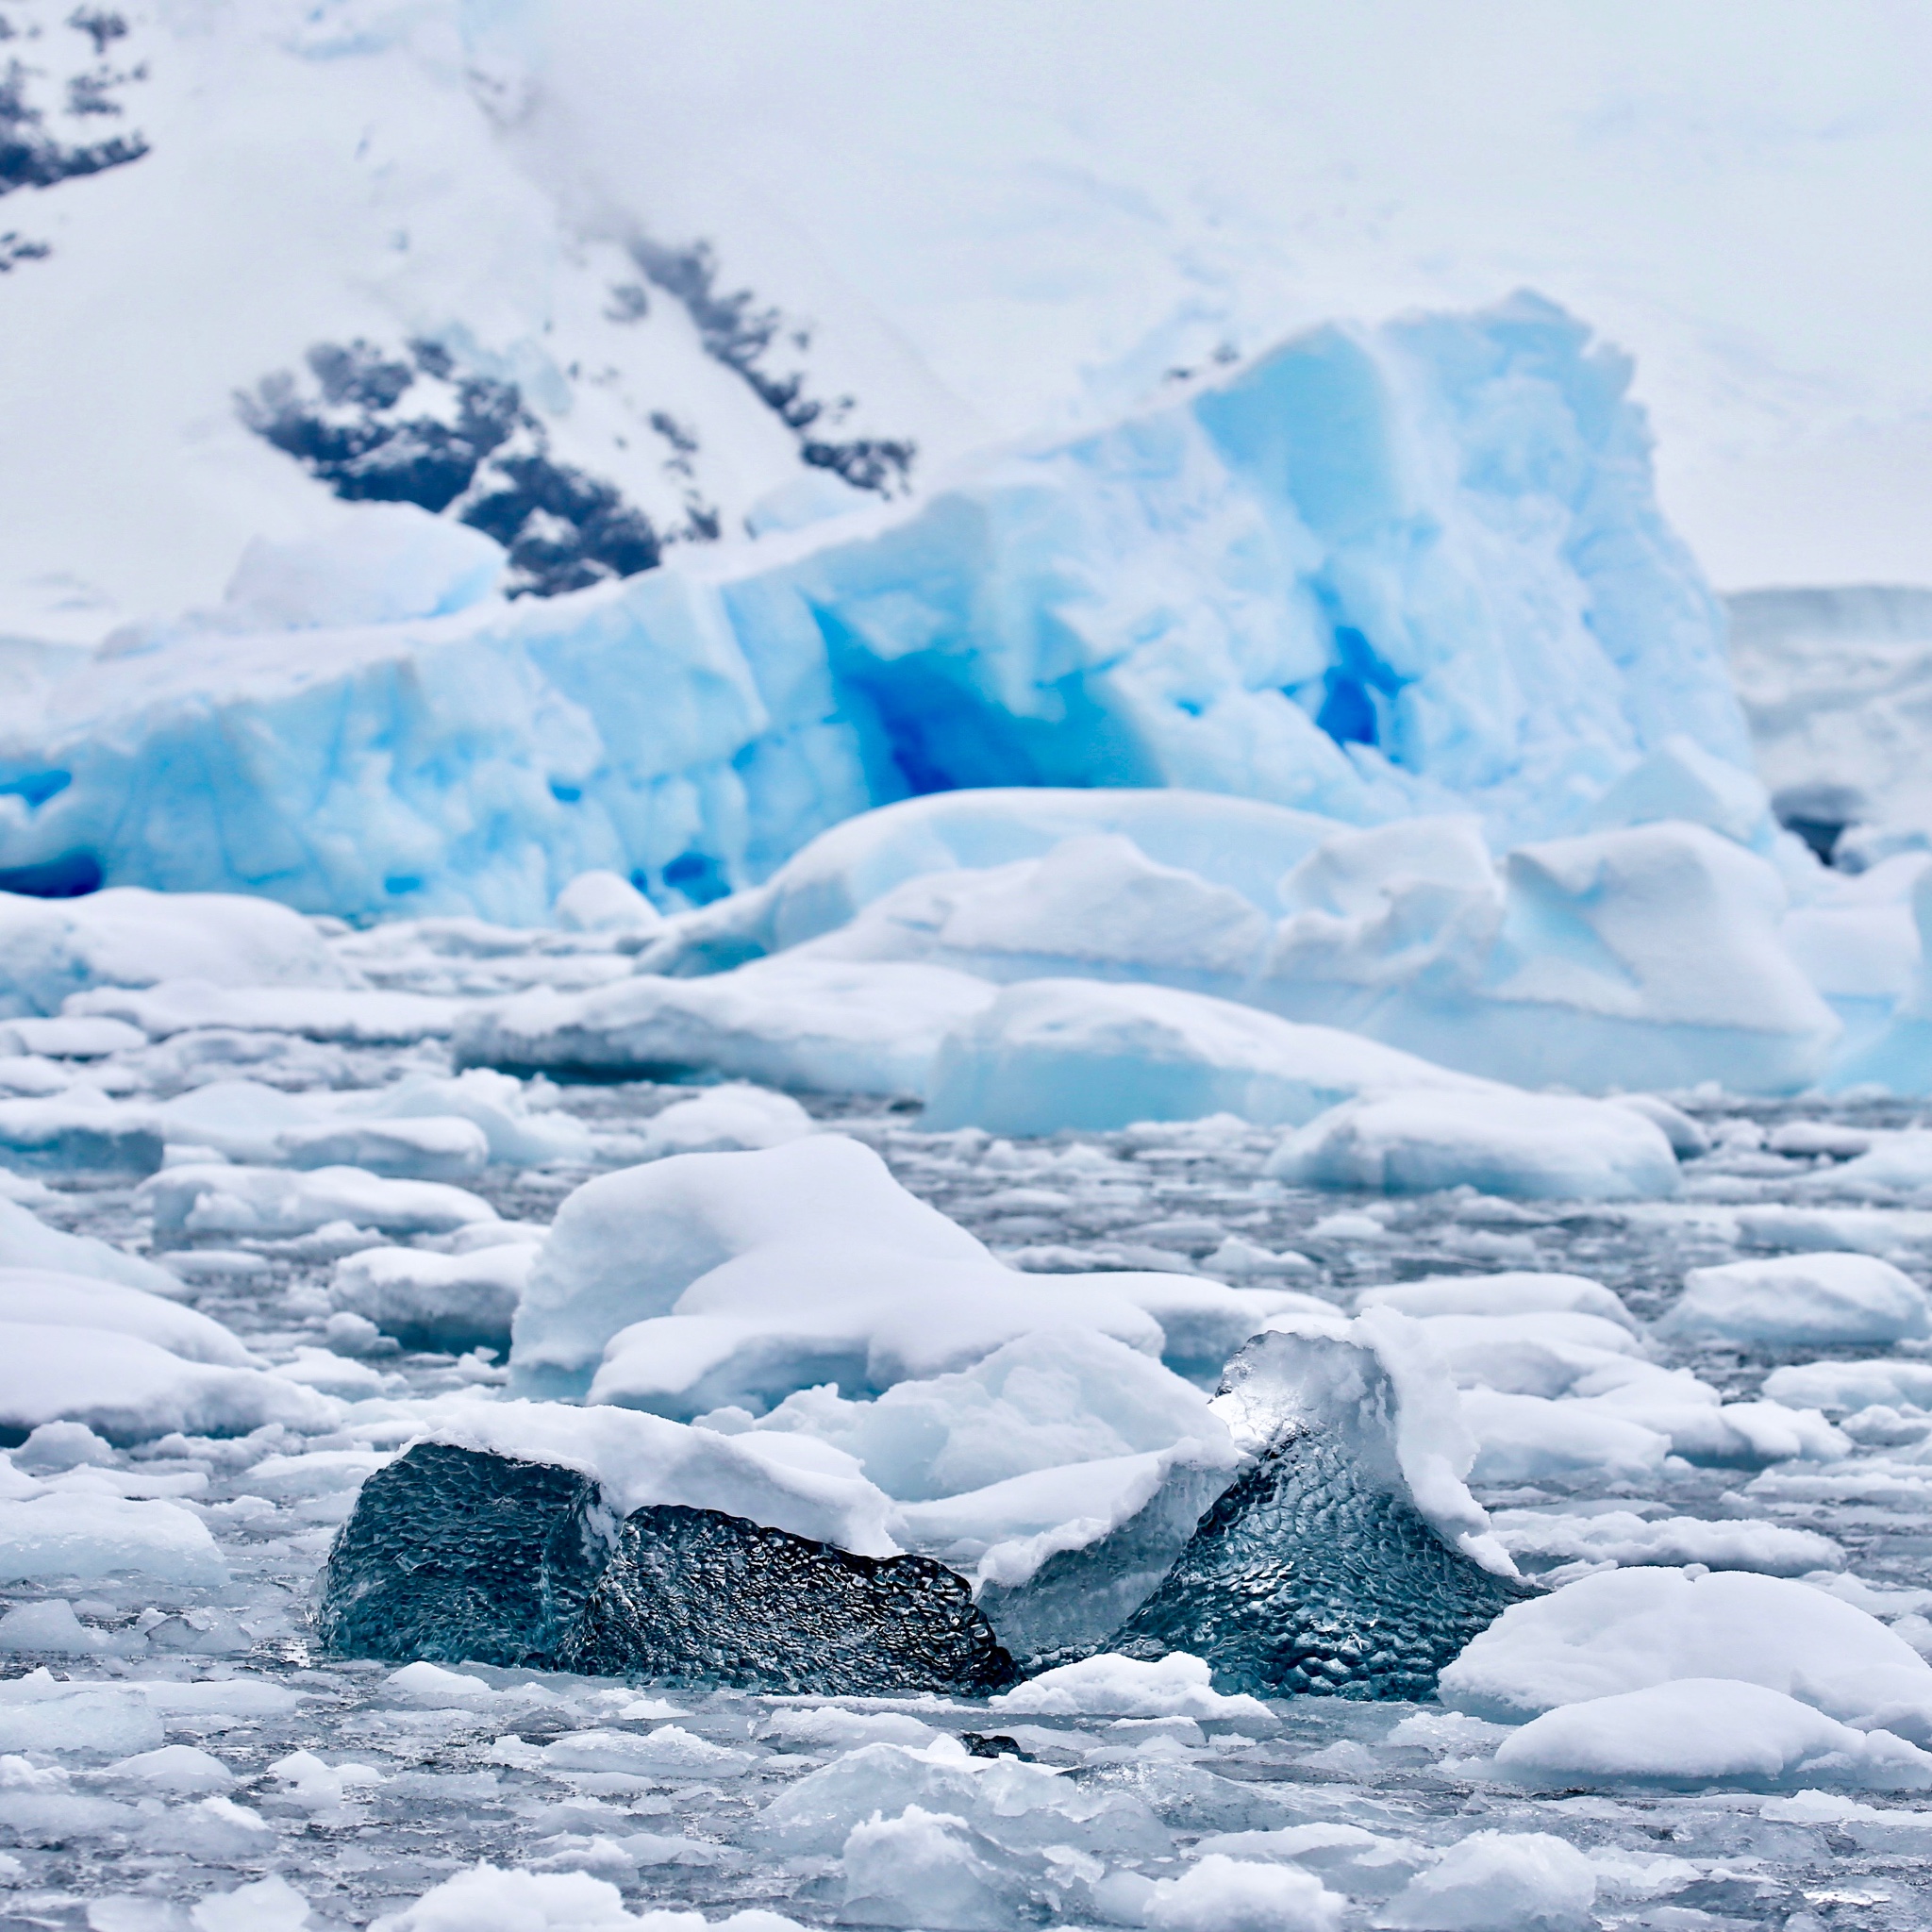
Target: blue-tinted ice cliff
(1372, 571)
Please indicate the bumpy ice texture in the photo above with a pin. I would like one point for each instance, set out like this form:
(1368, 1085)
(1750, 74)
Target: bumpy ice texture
(1317, 1571)
(455, 1554)
(696, 1594)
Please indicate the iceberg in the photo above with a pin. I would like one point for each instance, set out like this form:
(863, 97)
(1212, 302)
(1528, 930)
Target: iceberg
(703, 1281)
(1048, 1054)
(610, 1565)
(1499, 1142)
(1348, 1560)
(1372, 570)
(1650, 956)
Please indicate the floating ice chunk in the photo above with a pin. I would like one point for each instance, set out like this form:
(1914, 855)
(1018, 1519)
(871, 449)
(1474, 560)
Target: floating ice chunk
(1626, 1629)
(1622, 1537)
(670, 1753)
(708, 1280)
(813, 1024)
(694, 1595)
(605, 902)
(1052, 1054)
(1363, 1861)
(1526, 1439)
(1897, 1164)
(1040, 1402)
(373, 563)
(1025, 1809)
(1110, 1685)
(1536, 1353)
(1223, 1894)
(81, 1132)
(77, 1301)
(1511, 1292)
(38, 1712)
(129, 937)
(843, 1730)
(454, 1301)
(55, 1447)
(163, 1007)
(640, 1460)
(1818, 1300)
(735, 1116)
(1533, 1145)
(1094, 904)
(432, 1149)
(1688, 1139)
(51, 1627)
(487, 1899)
(1699, 1731)
(1357, 1447)
(268, 1201)
(27, 1241)
(177, 1768)
(1241, 845)
(519, 1134)
(130, 1391)
(64, 1039)
(1061, 1557)
(1840, 1387)
(1499, 1881)
(932, 1869)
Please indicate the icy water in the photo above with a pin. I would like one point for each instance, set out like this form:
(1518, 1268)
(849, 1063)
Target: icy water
(749, 1800)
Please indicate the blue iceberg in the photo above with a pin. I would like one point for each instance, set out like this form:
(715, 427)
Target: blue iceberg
(1371, 572)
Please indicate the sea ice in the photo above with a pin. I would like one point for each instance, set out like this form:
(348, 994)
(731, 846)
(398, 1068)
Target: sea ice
(1698, 1731)
(1627, 1629)
(453, 1302)
(1176, 1684)
(1534, 1145)
(129, 937)
(1053, 1054)
(1822, 1300)
(768, 1272)
(790, 1022)
(267, 1202)
(1499, 1881)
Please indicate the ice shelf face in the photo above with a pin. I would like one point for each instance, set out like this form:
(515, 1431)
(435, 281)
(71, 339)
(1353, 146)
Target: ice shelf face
(453, 1555)
(1369, 573)
(1316, 1573)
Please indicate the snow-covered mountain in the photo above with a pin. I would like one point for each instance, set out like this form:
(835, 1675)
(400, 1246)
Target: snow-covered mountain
(263, 256)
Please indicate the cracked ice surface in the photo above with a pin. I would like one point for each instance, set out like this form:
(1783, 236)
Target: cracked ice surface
(192, 1741)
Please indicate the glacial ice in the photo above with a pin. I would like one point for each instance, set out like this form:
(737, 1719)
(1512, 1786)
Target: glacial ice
(768, 1272)
(1627, 1629)
(1500, 1143)
(455, 1554)
(1348, 1560)
(1824, 1300)
(1052, 1054)
(1368, 571)
(1695, 1731)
